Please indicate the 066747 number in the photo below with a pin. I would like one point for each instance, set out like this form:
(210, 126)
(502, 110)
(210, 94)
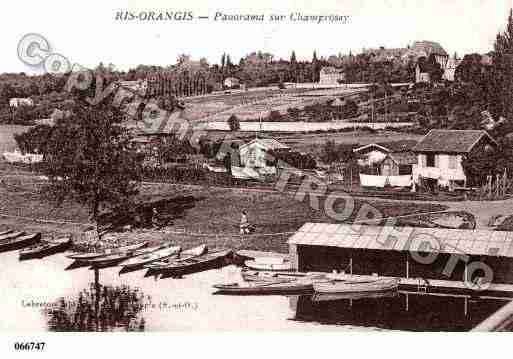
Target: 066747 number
(29, 346)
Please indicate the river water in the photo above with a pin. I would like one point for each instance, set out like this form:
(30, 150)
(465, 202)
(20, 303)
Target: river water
(40, 295)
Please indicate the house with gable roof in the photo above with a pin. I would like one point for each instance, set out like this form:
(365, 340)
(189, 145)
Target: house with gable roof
(441, 152)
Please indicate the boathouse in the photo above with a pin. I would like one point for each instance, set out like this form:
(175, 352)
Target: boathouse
(405, 252)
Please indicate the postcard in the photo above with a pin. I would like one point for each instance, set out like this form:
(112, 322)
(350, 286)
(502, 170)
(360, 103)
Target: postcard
(237, 166)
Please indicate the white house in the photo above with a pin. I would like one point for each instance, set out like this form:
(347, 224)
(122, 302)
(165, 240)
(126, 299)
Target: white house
(440, 154)
(450, 68)
(19, 101)
(330, 75)
(254, 154)
(231, 82)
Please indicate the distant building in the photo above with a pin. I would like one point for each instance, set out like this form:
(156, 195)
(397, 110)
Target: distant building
(383, 54)
(375, 153)
(139, 87)
(421, 74)
(331, 76)
(398, 164)
(231, 82)
(19, 101)
(450, 68)
(440, 155)
(254, 154)
(425, 49)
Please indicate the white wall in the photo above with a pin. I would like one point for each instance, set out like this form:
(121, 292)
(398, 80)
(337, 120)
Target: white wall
(442, 169)
(259, 155)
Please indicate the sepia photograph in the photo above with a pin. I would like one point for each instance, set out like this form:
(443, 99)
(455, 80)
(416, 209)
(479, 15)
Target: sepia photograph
(291, 167)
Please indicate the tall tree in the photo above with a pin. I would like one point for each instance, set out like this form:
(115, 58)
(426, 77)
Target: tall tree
(315, 67)
(503, 71)
(223, 62)
(89, 158)
(293, 66)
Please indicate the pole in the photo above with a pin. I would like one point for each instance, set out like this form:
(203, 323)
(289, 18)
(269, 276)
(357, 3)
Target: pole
(97, 297)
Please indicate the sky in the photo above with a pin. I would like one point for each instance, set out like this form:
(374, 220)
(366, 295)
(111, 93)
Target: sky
(87, 32)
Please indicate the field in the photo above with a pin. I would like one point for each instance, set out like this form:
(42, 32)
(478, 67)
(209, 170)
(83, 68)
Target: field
(7, 133)
(302, 126)
(256, 104)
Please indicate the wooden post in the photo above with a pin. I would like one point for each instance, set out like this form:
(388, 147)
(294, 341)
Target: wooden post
(351, 265)
(466, 306)
(97, 297)
(407, 267)
(407, 302)
(465, 275)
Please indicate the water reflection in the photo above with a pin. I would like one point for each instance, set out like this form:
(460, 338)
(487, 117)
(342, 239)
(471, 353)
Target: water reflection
(99, 308)
(405, 311)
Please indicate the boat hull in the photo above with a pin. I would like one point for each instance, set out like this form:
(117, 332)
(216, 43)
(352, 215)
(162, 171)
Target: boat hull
(19, 242)
(348, 287)
(213, 260)
(253, 264)
(278, 288)
(45, 250)
(149, 257)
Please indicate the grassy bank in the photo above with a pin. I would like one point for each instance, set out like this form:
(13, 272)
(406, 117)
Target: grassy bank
(195, 215)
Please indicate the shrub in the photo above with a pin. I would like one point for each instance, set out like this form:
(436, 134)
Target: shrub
(234, 123)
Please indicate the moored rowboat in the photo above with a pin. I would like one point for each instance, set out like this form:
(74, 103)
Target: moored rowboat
(155, 267)
(146, 258)
(108, 251)
(211, 260)
(328, 297)
(260, 276)
(4, 232)
(19, 242)
(10, 235)
(282, 287)
(118, 258)
(360, 286)
(46, 248)
(269, 266)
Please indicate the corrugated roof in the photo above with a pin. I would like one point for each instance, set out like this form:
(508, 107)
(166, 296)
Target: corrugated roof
(451, 141)
(458, 241)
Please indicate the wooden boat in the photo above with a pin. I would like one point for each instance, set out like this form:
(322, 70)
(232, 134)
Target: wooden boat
(46, 248)
(243, 255)
(108, 251)
(327, 297)
(19, 242)
(360, 286)
(120, 257)
(10, 235)
(285, 265)
(279, 286)
(249, 275)
(6, 231)
(155, 267)
(138, 262)
(211, 260)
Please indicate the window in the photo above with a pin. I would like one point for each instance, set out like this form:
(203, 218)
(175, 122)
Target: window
(453, 162)
(405, 170)
(430, 160)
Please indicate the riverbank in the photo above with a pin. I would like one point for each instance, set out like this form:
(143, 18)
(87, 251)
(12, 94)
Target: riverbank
(192, 216)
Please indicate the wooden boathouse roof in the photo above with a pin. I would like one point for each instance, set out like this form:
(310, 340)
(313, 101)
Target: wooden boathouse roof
(357, 236)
